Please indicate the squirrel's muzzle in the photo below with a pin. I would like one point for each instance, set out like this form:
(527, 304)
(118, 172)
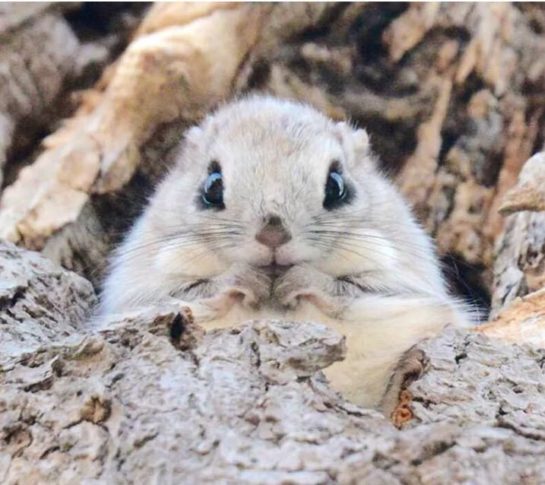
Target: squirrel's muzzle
(273, 234)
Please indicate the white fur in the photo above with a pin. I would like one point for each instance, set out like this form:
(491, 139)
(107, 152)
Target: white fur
(275, 156)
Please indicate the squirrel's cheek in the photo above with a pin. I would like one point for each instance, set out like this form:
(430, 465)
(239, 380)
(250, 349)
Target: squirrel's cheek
(184, 263)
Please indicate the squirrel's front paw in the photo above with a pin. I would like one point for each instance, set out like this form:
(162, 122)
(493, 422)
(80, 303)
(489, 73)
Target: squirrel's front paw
(290, 287)
(247, 284)
(303, 283)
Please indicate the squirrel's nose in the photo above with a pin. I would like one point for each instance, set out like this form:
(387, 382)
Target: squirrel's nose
(273, 234)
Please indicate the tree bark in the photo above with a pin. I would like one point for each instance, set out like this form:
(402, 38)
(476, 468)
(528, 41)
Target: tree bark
(48, 54)
(31, 77)
(39, 301)
(152, 398)
(520, 260)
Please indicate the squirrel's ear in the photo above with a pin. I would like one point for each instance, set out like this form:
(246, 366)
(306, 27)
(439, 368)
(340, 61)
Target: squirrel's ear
(356, 143)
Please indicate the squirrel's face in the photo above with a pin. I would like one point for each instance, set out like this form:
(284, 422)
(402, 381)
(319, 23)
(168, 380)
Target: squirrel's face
(271, 184)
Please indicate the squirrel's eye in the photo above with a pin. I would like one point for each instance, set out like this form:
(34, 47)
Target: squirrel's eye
(212, 192)
(335, 190)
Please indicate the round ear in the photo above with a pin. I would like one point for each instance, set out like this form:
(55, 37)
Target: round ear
(356, 143)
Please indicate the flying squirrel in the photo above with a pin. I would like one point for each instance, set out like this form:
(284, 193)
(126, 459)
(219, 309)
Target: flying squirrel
(273, 210)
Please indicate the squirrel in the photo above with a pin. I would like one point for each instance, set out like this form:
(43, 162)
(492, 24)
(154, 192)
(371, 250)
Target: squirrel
(273, 210)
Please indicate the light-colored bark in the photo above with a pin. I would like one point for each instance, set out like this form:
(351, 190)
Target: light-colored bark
(39, 301)
(38, 51)
(519, 267)
(487, 138)
(522, 321)
(152, 398)
(44, 61)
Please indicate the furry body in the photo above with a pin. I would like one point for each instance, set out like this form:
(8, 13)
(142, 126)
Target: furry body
(362, 266)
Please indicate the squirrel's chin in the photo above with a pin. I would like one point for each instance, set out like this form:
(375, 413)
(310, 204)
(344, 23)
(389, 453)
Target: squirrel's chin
(275, 270)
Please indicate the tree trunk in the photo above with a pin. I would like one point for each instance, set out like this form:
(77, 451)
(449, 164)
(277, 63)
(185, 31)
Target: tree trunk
(153, 398)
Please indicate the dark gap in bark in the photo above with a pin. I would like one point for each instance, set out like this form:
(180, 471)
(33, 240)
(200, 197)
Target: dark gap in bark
(448, 140)
(491, 171)
(539, 143)
(118, 211)
(471, 85)
(368, 28)
(261, 71)
(25, 142)
(392, 142)
(457, 33)
(322, 29)
(372, 65)
(107, 24)
(535, 14)
(94, 20)
(177, 328)
(466, 281)
(457, 124)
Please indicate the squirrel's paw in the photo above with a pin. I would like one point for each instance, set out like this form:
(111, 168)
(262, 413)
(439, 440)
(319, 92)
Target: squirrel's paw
(248, 285)
(291, 286)
(304, 283)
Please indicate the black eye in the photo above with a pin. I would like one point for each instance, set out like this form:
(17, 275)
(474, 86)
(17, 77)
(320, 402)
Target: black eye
(335, 189)
(212, 191)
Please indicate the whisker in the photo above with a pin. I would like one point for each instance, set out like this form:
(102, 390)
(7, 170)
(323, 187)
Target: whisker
(321, 243)
(211, 239)
(334, 237)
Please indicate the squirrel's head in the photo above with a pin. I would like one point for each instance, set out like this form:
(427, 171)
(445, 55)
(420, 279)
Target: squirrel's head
(270, 182)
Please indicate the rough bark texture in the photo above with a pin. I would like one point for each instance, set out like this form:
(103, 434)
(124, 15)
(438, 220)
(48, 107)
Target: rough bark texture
(520, 260)
(30, 80)
(152, 398)
(39, 301)
(452, 95)
(522, 321)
